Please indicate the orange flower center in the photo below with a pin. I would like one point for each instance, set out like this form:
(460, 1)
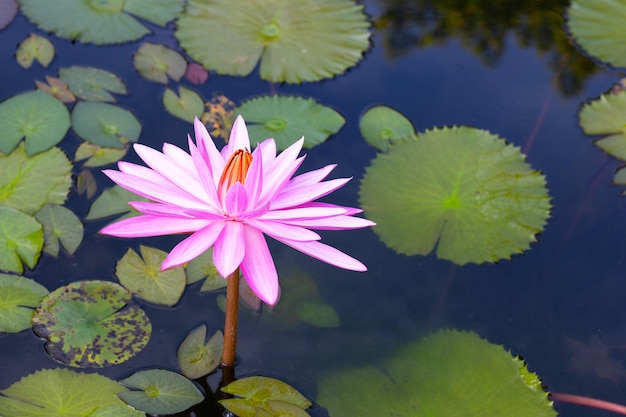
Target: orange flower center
(235, 170)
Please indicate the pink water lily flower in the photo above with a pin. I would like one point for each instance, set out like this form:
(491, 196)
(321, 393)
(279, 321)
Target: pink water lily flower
(229, 200)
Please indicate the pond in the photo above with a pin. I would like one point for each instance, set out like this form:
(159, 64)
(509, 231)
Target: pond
(510, 69)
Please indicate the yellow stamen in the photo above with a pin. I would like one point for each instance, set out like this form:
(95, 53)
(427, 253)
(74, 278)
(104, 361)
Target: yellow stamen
(235, 170)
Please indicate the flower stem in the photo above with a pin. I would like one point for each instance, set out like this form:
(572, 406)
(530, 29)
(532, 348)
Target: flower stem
(589, 402)
(230, 323)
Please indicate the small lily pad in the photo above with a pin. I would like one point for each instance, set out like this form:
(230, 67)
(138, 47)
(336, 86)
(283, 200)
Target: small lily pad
(197, 358)
(61, 392)
(35, 48)
(157, 62)
(97, 155)
(196, 74)
(162, 392)
(186, 106)
(202, 267)
(21, 240)
(18, 297)
(40, 119)
(112, 202)
(57, 88)
(99, 21)
(8, 10)
(256, 392)
(598, 26)
(143, 276)
(381, 124)
(28, 183)
(606, 116)
(92, 84)
(105, 124)
(294, 41)
(219, 116)
(462, 189)
(60, 224)
(91, 324)
(288, 118)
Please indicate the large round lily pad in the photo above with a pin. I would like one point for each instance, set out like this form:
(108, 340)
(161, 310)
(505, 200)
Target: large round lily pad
(99, 21)
(463, 189)
(449, 373)
(295, 41)
(91, 324)
(105, 124)
(39, 118)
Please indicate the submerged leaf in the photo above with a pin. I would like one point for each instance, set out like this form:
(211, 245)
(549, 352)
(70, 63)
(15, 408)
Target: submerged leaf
(40, 119)
(18, 297)
(105, 124)
(86, 183)
(287, 118)
(196, 74)
(21, 240)
(33, 48)
(197, 358)
(91, 324)
(60, 224)
(463, 189)
(157, 62)
(92, 84)
(295, 41)
(381, 124)
(186, 106)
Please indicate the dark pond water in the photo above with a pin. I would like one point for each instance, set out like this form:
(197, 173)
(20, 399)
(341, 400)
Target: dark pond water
(494, 68)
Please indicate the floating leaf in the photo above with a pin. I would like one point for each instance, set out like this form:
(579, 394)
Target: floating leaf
(202, 267)
(463, 189)
(61, 392)
(606, 116)
(449, 373)
(18, 297)
(21, 240)
(288, 118)
(33, 48)
(186, 106)
(281, 409)
(36, 116)
(157, 62)
(92, 84)
(105, 124)
(143, 276)
(219, 116)
(295, 41)
(86, 183)
(28, 183)
(197, 358)
(598, 26)
(381, 124)
(99, 22)
(256, 392)
(113, 201)
(196, 74)
(97, 155)
(60, 224)
(91, 324)
(162, 392)
(56, 88)
(8, 10)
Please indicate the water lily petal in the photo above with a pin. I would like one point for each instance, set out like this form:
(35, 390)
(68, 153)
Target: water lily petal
(326, 254)
(254, 178)
(303, 213)
(160, 209)
(238, 139)
(308, 178)
(230, 248)
(332, 223)
(149, 225)
(304, 194)
(258, 267)
(204, 171)
(281, 170)
(212, 157)
(236, 201)
(282, 230)
(194, 246)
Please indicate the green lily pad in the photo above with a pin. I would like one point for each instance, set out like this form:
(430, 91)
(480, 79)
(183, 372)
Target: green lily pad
(288, 118)
(295, 41)
(157, 62)
(91, 324)
(606, 116)
(99, 21)
(97, 155)
(33, 48)
(28, 183)
(112, 202)
(21, 240)
(281, 409)
(105, 124)
(380, 125)
(92, 84)
(56, 88)
(40, 119)
(256, 392)
(463, 189)
(60, 224)
(162, 392)
(620, 177)
(86, 183)
(187, 105)
(18, 297)
(449, 373)
(598, 26)
(142, 276)
(61, 392)
(202, 267)
(197, 358)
